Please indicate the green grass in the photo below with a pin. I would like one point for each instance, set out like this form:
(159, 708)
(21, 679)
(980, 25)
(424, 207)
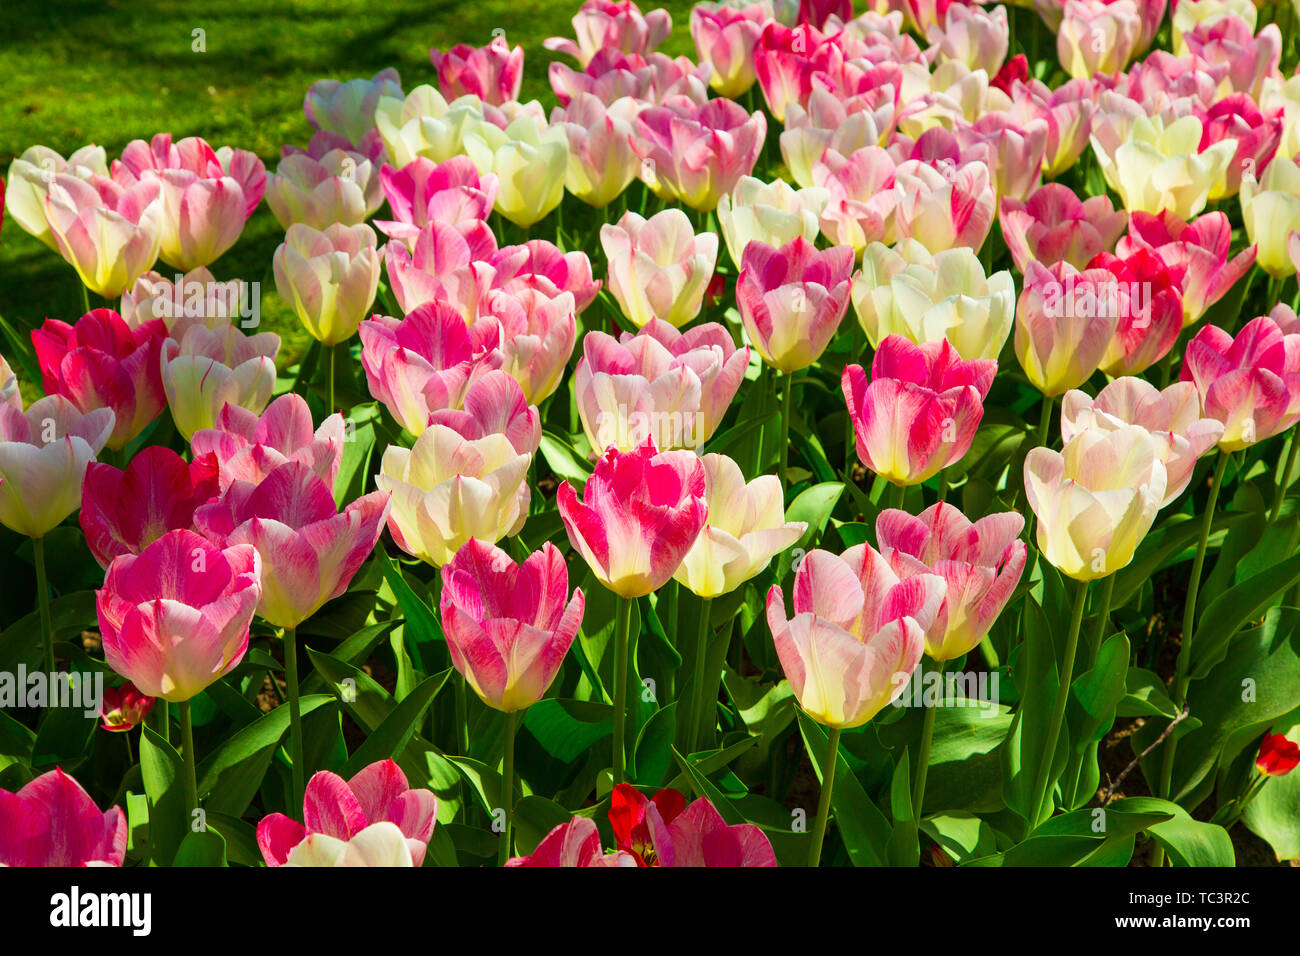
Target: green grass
(78, 72)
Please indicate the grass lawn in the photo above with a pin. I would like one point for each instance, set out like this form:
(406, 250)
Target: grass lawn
(73, 73)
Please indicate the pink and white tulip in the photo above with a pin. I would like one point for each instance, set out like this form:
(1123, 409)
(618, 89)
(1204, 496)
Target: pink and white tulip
(209, 368)
(658, 267)
(110, 234)
(696, 154)
(329, 278)
(493, 73)
(1053, 224)
(1065, 322)
(339, 187)
(52, 821)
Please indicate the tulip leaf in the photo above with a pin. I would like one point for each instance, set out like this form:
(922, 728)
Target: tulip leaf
(1187, 842)
(814, 506)
(16, 742)
(201, 848)
(65, 733)
(564, 460)
(903, 847)
(1146, 695)
(360, 694)
(162, 770)
(358, 449)
(566, 729)
(356, 649)
(1097, 836)
(1162, 547)
(70, 614)
(422, 625)
(1235, 607)
(390, 738)
(865, 831)
(534, 818)
(962, 836)
(1034, 669)
(1096, 694)
(240, 838)
(654, 746)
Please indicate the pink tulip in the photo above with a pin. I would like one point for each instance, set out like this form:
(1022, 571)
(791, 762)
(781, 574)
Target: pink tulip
(1065, 321)
(725, 37)
(1250, 383)
(696, 154)
(494, 404)
(418, 364)
(602, 161)
(508, 625)
(659, 383)
(857, 634)
(640, 514)
(109, 233)
(943, 208)
(1257, 134)
(207, 194)
(445, 263)
(529, 335)
(341, 809)
(664, 831)
(827, 122)
(658, 267)
(1172, 416)
(44, 453)
(860, 210)
(1118, 26)
(1251, 58)
(1151, 313)
(210, 368)
(1200, 248)
(619, 24)
(981, 562)
(539, 264)
(1053, 225)
(348, 108)
(371, 147)
(310, 551)
(977, 38)
(196, 299)
(493, 73)
(341, 186)
(423, 191)
(175, 618)
(53, 822)
(792, 299)
(576, 844)
(920, 410)
(123, 708)
(123, 512)
(101, 362)
(1013, 151)
(1067, 110)
(650, 80)
(785, 61)
(247, 447)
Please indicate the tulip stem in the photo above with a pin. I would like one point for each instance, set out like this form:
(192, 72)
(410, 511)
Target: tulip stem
(331, 349)
(1074, 768)
(923, 755)
(786, 396)
(508, 788)
(701, 688)
(1066, 671)
(43, 602)
(1045, 421)
(85, 299)
(187, 752)
(897, 496)
(295, 718)
(621, 637)
(1284, 479)
(824, 801)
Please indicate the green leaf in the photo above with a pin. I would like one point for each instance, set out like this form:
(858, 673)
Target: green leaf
(564, 460)
(391, 737)
(865, 831)
(162, 770)
(654, 746)
(1078, 838)
(566, 729)
(201, 848)
(1145, 695)
(534, 818)
(814, 506)
(1235, 607)
(1187, 842)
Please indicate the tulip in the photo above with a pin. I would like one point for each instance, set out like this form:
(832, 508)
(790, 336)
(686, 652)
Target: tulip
(494, 404)
(209, 368)
(445, 264)
(658, 267)
(955, 94)
(540, 265)
(944, 209)
(101, 362)
(1159, 167)
(1270, 211)
(920, 411)
(1053, 225)
(860, 207)
(175, 618)
(1172, 416)
(447, 489)
(664, 831)
(195, 298)
(29, 181)
(1067, 110)
(1250, 383)
(1255, 132)
(423, 124)
(792, 299)
(786, 60)
(602, 161)
(418, 364)
(697, 154)
(52, 821)
(1065, 322)
(123, 512)
(348, 108)
(378, 845)
(577, 844)
(1251, 59)
(907, 291)
(310, 551)
(508, 625)
(1200, 249)
(1187, 15)
(649, 80)
(109, 233)
(1098, 37)
(530, 164)
(612, 23)
(423, 191)
(975, 37)
(493, 73)
(772, 213)
(828, 124)
(246, 447)
(1277, 755)
(329, 278)
(1096, 499)
(341, 810)
(1013, 151)
(9, 394)
(340, 187)
(981, 562)
(123, 708)
(663, 384)
(725, 37)
(530, 336)
(1150, 311)
(44, 453)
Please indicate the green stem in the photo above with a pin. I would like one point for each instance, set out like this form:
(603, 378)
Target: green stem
(187, 745)
(85, 299)
(1045, 421)
(295, 719)
(1074, 767)
(43, 603)
(331, 349)
(160, 720)
(785, 427)
(923, 756)
(462, 715)
(701, 684)
(824, 801)
(622, 638)
(1042, 787)
(508, 788)
(1284, 479)
(897, 496)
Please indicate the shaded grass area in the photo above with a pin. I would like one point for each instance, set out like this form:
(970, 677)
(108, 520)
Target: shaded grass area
(75, 72)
